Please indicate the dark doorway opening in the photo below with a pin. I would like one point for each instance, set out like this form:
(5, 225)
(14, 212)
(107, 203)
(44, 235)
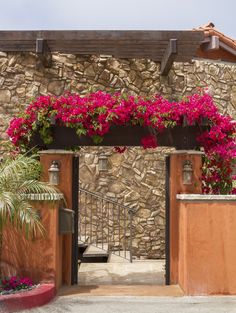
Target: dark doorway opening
(78, 250)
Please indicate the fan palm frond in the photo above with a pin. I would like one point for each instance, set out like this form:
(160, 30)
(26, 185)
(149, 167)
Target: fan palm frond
(36, 187)
(27, 218)
(17, 180)
(7, 205)
(20, 167)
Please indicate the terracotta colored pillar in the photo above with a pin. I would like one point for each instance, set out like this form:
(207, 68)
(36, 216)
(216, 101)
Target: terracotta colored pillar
(176, 186)
(65, 159)
(207, 251)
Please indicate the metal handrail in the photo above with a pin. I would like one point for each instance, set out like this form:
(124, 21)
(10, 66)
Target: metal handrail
(96, 212)
(106, 199)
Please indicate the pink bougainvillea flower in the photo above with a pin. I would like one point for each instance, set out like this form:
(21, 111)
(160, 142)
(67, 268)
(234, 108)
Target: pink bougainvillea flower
(120, 149)
(149, 141)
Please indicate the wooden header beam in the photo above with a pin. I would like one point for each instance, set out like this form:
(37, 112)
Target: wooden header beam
(142, 35)
(158, 46)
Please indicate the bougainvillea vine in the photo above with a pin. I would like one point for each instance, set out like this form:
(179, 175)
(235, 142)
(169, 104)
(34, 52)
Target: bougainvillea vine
(93, 115)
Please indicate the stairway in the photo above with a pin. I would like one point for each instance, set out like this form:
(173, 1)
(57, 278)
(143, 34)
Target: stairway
(96, 254)
(99, 253)
(104, 229)
(98, 266)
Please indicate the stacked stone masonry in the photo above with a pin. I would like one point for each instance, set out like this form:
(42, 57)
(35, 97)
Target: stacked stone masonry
(136, 177)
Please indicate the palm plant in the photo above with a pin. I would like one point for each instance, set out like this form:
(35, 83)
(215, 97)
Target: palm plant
(18, 178)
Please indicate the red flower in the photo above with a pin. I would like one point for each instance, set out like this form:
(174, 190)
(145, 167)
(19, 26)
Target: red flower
(120, 149)
(149, 141)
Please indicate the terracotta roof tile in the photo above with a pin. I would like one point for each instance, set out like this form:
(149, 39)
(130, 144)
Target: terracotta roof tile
(209, 30)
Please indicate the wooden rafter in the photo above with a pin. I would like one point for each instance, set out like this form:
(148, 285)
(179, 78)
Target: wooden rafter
(43, 53)
(169, 56)
(211, 43)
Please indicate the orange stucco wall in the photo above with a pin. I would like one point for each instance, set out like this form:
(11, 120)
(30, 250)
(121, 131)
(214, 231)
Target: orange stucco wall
(207, 247)
(48, 258)
(38, 258)
(65, 186)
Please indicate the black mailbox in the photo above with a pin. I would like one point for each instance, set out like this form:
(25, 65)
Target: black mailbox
(66, 221)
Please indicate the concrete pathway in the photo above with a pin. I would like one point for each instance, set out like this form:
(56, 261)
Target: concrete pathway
(75, 304)
(122, 290)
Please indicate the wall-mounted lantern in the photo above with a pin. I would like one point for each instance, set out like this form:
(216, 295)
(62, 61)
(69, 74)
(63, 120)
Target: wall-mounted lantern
(102, 163)
(53, 173)
(187, 172)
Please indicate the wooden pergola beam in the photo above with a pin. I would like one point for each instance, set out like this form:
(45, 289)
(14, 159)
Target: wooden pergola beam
(169, 56)
(91, 35)
(122, 44)
(211, 43)
(43, 53)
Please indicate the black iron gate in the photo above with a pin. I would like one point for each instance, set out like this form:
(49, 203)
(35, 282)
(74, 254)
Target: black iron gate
(167, 227)
(75, 189)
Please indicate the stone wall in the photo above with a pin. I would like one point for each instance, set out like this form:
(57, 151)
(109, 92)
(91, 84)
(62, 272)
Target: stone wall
(137, 176)
(20, 81)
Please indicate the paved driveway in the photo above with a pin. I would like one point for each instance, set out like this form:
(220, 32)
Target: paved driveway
(76, 304)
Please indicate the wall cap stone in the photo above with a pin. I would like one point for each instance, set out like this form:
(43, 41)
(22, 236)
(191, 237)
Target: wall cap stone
(199, 197)
(57, 151)
(44, 197)
(190, 152)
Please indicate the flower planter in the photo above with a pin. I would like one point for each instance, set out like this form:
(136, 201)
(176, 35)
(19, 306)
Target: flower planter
(28, 299)
(181, 137)
(102, 109)
(66, 138)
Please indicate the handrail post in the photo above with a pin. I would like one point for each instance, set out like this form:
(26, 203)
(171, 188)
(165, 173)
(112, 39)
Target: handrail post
(131, 234)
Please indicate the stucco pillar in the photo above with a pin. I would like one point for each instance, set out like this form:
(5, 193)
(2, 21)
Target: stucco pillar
(207, 251)
(65, 160)
(176, 186)
(37, 257)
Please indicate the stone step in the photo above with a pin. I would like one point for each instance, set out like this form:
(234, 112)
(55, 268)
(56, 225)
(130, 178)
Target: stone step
(96, 251)
(119, 257)
(140, 273)
(83, 240)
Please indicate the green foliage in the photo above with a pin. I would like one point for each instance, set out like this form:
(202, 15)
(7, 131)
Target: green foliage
(97, 139)
(19, 177)
(81, 131)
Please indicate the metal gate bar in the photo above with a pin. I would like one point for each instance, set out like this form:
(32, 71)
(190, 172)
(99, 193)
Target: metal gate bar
(103, 221)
